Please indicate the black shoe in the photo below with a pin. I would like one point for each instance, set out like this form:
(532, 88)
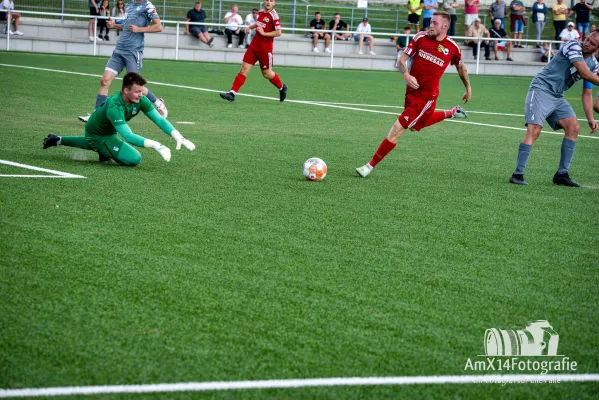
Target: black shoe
(51, 141)
(509, 59)
(488, 58)
(518, 179)
(103, 159)
(283, 93)
(227, 96)
(564, 179)
(107, 38)
(210, 42)
(496, 58)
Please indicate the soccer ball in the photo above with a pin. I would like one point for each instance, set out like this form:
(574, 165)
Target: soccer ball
(315, 169)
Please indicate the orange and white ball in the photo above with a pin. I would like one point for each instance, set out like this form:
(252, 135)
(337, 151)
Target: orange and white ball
(315, 169)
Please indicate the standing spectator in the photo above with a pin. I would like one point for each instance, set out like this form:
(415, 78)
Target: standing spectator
(414, 13)
(479, 31)
(449, 7)
(93, 11)
(471, 14)
(545, 52)
(363, 34)
(339, 25)
(517, 18)
(234, 27)
(539, 16)
(430, 7)
(104, 11)
(250, 20)
(119, 14)
(198, 15)
(498, 33)
(569, 34)
(317, 25)
(401, 44)
(582, 11)
(15, 17)
(498, 10)
(560, 12)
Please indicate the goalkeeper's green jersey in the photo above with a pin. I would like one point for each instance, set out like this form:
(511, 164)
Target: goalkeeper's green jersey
(115, 112)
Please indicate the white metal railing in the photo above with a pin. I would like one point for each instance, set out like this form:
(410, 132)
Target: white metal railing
(179, 23)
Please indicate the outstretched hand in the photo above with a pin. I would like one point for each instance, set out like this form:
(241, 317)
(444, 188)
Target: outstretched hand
(181, 141)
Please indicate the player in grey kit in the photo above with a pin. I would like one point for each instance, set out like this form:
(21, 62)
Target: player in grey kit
(545, 102)
(129, 50)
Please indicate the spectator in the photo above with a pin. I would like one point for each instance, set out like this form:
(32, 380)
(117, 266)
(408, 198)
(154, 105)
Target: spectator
(430, 6)
(197, 14)
(498, 10)
(316, 26)
(234, 27)
(560, 12)
(517, 18)
(539, 16)
(14, 16)
(546, 52)
(250, 20)
(479, 31)
(471, 11)
(414, 12)
(119, 14)
(449, 7)
(363, 34)
(103, 11)
(592, 28)
(93, 11)
(582, 11)
(338, 25)
(401, 44)
(569, 33)
(497, 32)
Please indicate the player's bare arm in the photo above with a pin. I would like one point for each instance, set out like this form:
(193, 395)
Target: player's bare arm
(154, 27)
(586, 73)
(587, 106)
(402, 67)
(463, 73)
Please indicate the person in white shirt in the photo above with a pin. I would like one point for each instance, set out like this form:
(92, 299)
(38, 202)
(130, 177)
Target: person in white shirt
(249, 21)
(569, 33)
(363, 33)
(14, 16)
(234, 27)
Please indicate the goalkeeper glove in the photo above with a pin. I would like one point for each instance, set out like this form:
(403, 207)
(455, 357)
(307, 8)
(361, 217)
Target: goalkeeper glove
(182, 141)
(164, 151)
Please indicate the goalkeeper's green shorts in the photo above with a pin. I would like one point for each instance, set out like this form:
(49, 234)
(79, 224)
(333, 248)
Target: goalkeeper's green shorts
(113, 147)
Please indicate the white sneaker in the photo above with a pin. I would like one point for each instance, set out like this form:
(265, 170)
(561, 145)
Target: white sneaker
(91, 38)
(241, 46)
(327, 50)
(10, 32)
(99, 39)
(315, 50)
(372, 53)
(84, 118)
(360, 52)
(364, 170)
(161, 107)
(18, 33)
(229, 46)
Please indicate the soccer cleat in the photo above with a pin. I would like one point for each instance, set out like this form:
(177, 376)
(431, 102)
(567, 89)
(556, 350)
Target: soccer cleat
(458, 112)
(84, 118)
(103, 159)
(564, 180)
(364, 170)
(518, 179)
(161, 107)
(283, 93)
(228, 96)
(51, 141)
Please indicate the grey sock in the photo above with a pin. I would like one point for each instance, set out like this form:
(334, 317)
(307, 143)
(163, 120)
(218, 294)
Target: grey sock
(100, 99)
(523, 154)
(568, 147)
(151, 96)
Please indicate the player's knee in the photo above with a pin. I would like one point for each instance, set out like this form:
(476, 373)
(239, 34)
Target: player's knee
(131, 159)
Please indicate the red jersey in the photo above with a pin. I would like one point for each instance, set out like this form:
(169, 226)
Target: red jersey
(431, 59)
(270, 22)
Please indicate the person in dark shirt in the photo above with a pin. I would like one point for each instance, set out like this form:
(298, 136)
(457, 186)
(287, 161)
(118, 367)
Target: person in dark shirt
(197, 14)
(317, 25)
(339, 25)
(582, 11)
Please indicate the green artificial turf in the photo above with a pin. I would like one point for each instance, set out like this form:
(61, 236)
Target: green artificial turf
(226, 264)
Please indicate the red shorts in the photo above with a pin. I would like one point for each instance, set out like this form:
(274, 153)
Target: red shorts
(253, 54)
(416, 112)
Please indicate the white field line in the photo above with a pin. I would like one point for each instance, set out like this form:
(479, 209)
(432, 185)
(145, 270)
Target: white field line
(56, 174)
(316, 103)
(298, 383)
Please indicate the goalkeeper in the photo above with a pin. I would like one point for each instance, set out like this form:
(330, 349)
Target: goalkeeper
(111, 118)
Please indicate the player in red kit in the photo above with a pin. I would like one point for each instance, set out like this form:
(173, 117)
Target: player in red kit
(433, 51)
(268, 27)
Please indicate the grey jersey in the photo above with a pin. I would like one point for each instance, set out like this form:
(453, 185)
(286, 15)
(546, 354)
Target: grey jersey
(559, 75)
(139, 14)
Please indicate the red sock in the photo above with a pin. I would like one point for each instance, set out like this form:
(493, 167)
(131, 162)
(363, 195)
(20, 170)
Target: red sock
(277, 81)
(438, 116)
(238, 83)
(384, 149)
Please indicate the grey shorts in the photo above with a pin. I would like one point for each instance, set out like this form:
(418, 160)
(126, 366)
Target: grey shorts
(542, 106)
(130, 60)
(197, 29)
